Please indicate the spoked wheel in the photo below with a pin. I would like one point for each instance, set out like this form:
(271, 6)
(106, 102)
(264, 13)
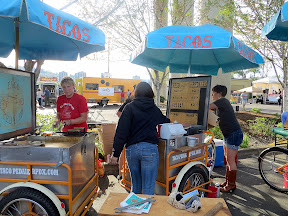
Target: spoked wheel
(27, 202)
(211, 157)
(194, 177)
(273, 167)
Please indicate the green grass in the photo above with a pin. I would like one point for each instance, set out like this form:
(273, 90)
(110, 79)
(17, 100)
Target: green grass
(256, 110)
(245, 142)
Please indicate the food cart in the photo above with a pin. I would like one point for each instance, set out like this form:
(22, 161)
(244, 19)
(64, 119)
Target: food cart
(181, 167)
(41, 175)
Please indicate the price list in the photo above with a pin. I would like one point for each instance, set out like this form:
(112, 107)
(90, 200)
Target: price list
(185, 100)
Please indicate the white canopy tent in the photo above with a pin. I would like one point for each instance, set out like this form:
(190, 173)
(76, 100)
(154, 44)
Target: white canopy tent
(250, 89)
(267, 80)
(247, 89)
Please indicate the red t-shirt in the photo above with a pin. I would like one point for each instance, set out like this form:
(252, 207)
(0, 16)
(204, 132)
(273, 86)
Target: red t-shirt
(71, 108)
(122, 94)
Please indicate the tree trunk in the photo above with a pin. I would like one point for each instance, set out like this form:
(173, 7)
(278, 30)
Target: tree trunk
(161, 20)
(158, 96)
(29, 65)
(38, 68)
(157, 87)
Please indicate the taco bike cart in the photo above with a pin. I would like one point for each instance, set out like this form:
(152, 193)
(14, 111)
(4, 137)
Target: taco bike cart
(41, 175)
(184, 167)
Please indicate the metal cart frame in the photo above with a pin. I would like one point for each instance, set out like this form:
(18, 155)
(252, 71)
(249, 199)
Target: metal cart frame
(177, 178)
(29, 182)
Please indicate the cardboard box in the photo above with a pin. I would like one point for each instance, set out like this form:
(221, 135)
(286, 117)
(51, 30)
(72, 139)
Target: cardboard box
(107, 133)
(107, 148)
(106, 137)
(212, 119)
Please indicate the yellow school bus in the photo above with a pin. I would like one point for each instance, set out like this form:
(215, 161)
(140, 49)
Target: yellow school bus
(104, 90)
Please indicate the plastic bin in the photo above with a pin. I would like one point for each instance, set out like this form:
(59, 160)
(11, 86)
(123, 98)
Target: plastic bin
(215, 192)
(219, 161)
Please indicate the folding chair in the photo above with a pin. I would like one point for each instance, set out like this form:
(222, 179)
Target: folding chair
(95, 114)
(54, 108)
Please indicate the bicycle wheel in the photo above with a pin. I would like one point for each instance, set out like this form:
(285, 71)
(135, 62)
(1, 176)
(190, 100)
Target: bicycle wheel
(211, 157)
(27, 201)
(194, 177)
(269, 160)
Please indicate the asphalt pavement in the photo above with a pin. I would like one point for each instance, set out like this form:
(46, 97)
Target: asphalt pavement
(265, 108)
(252, 196)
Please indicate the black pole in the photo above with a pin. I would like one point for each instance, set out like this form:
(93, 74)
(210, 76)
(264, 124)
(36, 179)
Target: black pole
(16, 42)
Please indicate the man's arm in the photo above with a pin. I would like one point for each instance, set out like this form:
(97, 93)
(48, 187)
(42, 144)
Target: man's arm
(79, 120)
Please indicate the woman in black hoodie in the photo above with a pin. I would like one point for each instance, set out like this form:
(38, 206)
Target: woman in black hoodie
(137, 131)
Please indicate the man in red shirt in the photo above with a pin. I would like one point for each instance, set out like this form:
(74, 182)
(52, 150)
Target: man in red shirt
(122, 95)
(72, 107)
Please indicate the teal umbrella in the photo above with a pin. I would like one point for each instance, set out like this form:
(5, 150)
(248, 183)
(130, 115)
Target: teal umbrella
(277, 27)
(38, 31)
(195, 49)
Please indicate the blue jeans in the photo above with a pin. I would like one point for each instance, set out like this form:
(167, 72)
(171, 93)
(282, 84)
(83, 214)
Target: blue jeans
(143, 161)
(234, 139)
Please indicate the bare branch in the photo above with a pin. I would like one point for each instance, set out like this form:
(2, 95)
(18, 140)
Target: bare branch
(119, 3)
(68, 5)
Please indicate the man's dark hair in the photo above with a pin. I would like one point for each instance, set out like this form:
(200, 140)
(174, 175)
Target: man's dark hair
(220, 89)
(143, 89)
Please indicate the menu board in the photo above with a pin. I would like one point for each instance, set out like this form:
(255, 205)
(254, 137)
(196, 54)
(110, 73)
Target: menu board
(188, 100)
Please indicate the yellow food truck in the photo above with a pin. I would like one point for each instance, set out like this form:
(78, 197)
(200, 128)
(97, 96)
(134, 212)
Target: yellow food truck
(104, 90)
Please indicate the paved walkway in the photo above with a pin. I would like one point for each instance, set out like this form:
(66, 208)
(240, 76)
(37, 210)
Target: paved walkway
(265, 108)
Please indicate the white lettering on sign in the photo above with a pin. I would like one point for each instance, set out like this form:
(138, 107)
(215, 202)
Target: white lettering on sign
(179, 156)
(20, 171)
(5, 170)
(196, 152)
(24, 171)
(105, 91)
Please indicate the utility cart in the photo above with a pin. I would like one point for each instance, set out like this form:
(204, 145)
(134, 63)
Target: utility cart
(41, 174)
(184, 165)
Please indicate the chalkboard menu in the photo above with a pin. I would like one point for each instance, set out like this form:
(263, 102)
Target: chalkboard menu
(188, 101)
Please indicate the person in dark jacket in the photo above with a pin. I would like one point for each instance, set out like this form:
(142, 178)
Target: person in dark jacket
(233, 135)
(136, 130)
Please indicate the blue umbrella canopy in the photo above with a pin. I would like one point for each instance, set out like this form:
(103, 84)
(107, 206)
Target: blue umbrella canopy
(198, 49)
(43, 32)
(277, 27)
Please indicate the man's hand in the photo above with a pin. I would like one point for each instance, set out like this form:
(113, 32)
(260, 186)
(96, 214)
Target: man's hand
(56, 124)
(67, 122)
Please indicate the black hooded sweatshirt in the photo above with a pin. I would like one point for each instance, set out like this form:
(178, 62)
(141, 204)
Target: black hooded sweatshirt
(138, 123)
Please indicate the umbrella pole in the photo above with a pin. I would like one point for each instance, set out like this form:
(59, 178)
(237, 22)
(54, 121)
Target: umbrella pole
(16, 42)
(189, 68)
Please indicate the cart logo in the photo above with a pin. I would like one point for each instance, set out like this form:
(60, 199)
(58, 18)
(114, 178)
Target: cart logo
(179, 156)
(196, 152)
(184, 155)
(25, 171)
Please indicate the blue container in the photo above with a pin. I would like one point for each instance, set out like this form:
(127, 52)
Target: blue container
(219, 161)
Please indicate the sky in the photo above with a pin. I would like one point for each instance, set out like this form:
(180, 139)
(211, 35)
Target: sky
(93, 68)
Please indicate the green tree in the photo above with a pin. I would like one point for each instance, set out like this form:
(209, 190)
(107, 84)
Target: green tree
(248, 18)
(248, 74)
